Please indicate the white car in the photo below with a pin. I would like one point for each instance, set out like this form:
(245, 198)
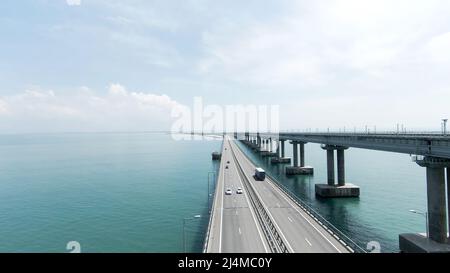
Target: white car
(228, 191)
(239, 191)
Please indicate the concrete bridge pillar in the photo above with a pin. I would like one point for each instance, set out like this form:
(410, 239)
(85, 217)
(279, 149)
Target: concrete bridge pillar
(302, 154)
(437, 207)
(448, 200)
(436, 169)
(299, 167)
(437, 216)
(280, 157)
(331, 189)
(341, 167)
(295, 153)
(330, 167)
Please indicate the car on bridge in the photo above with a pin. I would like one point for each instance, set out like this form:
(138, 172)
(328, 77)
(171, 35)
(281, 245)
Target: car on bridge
(239, 191)
(260, 174)
(228, 191)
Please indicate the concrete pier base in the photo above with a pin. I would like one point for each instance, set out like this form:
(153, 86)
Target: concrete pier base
(419, 243)
(269, 154)
(280, 160)
(327, 191)
(292, 170)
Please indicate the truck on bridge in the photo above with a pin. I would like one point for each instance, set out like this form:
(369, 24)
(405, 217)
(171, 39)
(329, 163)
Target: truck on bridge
(260, 174)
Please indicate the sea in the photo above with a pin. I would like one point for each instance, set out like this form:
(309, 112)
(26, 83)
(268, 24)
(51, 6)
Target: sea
(149, 192)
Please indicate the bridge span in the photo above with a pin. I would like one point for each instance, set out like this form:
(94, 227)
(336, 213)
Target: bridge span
(264, 218)
(428, 150)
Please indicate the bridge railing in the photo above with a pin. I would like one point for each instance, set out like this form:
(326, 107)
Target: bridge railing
(370, 133)
(211, 206)
(334, 231)
(273, 237)
(211, 214)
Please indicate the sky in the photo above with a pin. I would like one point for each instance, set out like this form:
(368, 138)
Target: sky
(106, 65)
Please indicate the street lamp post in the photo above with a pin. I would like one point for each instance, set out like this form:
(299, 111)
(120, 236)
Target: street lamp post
(184, 228)
(425, 214)
(444, 126)
(209, 194)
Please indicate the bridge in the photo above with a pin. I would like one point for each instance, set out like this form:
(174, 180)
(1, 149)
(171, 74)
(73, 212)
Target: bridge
(264, 218)
(268, 205)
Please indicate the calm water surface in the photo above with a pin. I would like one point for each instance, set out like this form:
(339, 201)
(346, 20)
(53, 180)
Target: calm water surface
(129, 192)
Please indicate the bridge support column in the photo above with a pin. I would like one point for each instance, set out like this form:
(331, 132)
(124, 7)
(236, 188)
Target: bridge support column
(448, 200)
(299, 169)
(258, 140)
(330, 167)
(341, 167)
(263, 148)
(268, 150)
(280, 159)
(436, 215)
(342, 189)
(295, 153)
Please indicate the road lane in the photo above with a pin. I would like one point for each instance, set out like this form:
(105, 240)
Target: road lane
(302, 232)
(234, 226)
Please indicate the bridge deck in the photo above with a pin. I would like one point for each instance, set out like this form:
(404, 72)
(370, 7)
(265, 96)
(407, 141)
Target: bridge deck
(419, 144)
(234, 226)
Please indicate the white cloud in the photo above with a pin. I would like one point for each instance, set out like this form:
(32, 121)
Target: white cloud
(73, 2)
(3, 107)
(439, 48)
(84, 110)
(315, 43)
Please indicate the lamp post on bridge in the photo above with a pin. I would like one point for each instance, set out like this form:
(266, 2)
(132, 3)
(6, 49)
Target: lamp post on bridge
(209, 192)
(184, 228)
(425, 214)
(444, 126)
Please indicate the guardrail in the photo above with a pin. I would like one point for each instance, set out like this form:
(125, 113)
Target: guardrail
(208, 231)
(330, 228)
(272, 235)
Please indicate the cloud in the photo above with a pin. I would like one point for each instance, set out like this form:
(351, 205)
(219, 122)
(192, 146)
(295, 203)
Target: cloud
(316, 44)
(84, 110)
(439, 48)
(73, 2)
(3, 107)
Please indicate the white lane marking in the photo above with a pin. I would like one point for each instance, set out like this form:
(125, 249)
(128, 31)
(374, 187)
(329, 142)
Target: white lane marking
(270, 215)
(290, 220)
(294, 206)
(221, 212)
(254, 216)
(240, 233)
(309, 243)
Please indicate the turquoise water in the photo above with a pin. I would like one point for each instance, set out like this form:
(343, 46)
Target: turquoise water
(119, 192)
(391, 185)
(109, 192)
